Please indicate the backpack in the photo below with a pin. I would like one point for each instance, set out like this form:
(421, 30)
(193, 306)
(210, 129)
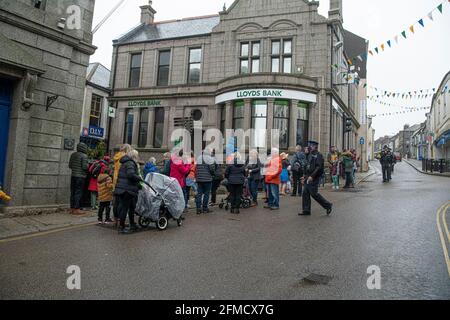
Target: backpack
(96, 169)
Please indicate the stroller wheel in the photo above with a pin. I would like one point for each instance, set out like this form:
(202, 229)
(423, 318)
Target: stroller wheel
(180, 222)
(246, 204)
(144, 222)
(221, 206)
(162, 223)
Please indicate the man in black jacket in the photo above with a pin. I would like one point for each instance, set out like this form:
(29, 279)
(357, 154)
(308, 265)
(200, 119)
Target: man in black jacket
(297, 163)
(311, 181)
(235, 174)
(205, 172)
(386, 161)
(79, 165)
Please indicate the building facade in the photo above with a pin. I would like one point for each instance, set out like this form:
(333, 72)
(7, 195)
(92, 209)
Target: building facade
(45, 48)
(256, 65)
(438, 124)
(96, 114)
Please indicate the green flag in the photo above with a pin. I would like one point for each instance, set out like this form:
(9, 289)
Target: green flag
(404, 34)
(440, 8)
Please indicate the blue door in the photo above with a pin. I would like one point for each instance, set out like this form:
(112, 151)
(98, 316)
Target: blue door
(5, 108)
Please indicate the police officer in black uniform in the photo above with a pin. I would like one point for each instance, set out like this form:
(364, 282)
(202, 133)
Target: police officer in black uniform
(311, 180)
(386, 161)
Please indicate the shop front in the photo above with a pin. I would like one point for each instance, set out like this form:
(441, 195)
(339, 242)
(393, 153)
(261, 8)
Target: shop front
(271, 113)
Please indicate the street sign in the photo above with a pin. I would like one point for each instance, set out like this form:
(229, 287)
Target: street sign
(362, 141)
(94, 132)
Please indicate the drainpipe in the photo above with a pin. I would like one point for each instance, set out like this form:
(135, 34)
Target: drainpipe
(113, 85)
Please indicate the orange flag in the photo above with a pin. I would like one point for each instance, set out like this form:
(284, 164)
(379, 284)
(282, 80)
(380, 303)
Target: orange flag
(412, 28)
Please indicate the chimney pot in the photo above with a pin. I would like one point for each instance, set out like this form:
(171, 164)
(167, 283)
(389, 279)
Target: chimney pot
(148, 13)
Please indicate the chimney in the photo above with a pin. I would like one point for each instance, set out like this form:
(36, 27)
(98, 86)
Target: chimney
(148, 13)
(335, 10)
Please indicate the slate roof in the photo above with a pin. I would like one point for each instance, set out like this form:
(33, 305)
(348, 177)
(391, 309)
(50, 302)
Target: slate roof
(189, 27)
(98, 75)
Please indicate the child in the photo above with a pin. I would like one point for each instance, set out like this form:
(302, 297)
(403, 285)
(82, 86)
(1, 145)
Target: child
(105, 195)
(284, 174)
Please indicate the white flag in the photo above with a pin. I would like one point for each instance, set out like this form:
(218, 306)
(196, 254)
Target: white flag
(430, 15)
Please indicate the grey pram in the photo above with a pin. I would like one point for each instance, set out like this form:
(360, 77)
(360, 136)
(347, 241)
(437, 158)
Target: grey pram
(160, 200)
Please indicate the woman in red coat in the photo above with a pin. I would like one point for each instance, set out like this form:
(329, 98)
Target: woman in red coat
(97, 168)
(179, 169)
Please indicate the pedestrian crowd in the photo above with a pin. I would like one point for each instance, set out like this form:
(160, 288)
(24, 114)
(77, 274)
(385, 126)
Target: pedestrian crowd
(114, 184)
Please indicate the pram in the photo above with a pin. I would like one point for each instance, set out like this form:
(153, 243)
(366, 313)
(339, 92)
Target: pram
(160, 200)
(246, 199)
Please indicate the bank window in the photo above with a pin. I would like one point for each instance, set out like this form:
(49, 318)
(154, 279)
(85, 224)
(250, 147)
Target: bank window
(143, 128)
(282, 56)
(163, 68)
(135, 70)
(281, 121)
(259, 123)
(96, 111)
(238, 115)
(129, 122)
(250, 57)
(195, 64)
(159, 127)
(302, 124)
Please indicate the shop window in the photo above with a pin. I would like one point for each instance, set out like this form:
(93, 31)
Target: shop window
(135, 70)
(129, 122)
(96, 111)
(250, 57)
(195, 65)
(159, 127)
(143, 128)
(302, 124)
(281, 121)
(282, 56)
(259, 123)
(238, 115)
(163, 68)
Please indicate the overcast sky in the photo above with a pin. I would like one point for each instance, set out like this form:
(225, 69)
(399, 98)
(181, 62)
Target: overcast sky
(417, 63)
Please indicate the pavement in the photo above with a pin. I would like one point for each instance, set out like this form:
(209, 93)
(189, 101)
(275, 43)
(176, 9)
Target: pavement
(400, 227)
(416, 164)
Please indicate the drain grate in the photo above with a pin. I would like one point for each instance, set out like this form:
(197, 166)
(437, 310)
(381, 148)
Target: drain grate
(317, 279)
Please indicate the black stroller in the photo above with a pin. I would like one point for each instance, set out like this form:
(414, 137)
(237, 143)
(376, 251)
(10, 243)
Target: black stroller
(160, 200)
(246, 199)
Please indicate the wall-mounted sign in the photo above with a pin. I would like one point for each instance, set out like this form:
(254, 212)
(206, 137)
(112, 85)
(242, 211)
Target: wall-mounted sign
(112, 112)
(144, 103)
(268, 94)
(69, 144)
(94, 132)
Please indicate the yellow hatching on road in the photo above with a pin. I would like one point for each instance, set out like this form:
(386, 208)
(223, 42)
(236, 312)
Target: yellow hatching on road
(441, 215)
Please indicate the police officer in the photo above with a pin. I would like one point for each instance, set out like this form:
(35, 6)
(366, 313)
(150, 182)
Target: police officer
(314, 170)
(386, 161)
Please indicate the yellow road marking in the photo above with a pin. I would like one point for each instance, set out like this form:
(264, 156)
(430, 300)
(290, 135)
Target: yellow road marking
(441, 233)
(45, 233)
(444, 218)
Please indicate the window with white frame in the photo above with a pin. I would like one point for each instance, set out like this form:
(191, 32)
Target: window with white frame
(281, 56)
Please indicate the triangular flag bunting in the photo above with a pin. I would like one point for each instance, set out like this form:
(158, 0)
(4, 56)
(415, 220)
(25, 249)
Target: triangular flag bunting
(382, 47)
(411, 28)
(421, 23)
(440, 8)
(404, 34)
(389, 43)
(430, 15)
(376, 49)
(396, 39)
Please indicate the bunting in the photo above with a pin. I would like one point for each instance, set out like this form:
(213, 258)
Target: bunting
(388, 114)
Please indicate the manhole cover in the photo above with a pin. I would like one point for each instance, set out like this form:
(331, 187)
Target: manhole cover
(317, 279)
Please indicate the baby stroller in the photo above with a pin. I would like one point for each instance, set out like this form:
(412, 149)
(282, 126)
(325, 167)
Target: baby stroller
(160, 200)
(246, 199)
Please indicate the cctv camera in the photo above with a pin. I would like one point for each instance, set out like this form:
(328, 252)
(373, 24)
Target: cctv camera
(338, 45)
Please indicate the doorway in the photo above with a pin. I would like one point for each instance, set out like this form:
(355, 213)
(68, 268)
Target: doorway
(5, 110)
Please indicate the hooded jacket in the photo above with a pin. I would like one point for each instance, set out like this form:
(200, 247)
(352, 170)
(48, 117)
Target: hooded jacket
(179, 170)
(117, 159)
(78, 162)
(235, 174)
(105, 188)
(129, 179)
(206, 169)
(273, 171)
(150, 168)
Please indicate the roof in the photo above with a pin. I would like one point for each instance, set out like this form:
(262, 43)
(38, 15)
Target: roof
(98, 75)
(355, 45)
(173, 29)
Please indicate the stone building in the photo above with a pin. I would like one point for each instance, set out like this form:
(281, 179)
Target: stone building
(256, 65)
(45, 48)
(95, 118)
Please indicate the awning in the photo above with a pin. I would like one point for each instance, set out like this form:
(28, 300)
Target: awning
(442, 141)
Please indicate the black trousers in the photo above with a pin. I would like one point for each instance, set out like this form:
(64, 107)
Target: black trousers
(236, 191)
(215, 187)
(312, 190)
(387, 172)
(104, 207)
(127, 205)
(297, 183)
(76, 192)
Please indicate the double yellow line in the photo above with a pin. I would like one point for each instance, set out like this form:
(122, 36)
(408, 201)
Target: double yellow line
(442, 226)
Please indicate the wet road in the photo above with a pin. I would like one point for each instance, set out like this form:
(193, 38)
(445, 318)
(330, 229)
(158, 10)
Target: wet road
(258, 255)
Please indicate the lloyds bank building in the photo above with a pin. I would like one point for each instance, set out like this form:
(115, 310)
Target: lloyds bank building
(259, 64)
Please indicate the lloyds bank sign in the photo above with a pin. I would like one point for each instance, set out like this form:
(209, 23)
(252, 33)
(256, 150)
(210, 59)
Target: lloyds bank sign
(266, 94)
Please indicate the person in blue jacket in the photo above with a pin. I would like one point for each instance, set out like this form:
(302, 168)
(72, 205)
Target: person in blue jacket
(150, 167)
